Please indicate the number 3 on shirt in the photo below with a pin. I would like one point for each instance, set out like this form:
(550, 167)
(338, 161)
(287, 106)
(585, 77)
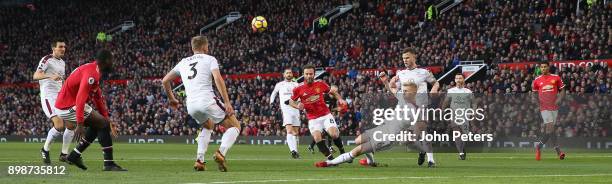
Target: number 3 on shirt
(195, 72)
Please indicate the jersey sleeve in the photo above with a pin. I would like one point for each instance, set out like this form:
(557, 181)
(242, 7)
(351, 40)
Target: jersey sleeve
(177, 69)
(274, 92)
(534, 85)
(325, 87)
(43, 64)
(560, 84)
(430, 78)
(296, 94)
(85, 86)
(213, 64)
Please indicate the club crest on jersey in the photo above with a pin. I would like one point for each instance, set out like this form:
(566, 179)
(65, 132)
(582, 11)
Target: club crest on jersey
(313, 98)
(318, 90)
(91, 80)
(553, 81)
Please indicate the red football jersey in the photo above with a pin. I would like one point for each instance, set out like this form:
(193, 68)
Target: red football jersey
(79, 86)
(311, 95)
(548, 87)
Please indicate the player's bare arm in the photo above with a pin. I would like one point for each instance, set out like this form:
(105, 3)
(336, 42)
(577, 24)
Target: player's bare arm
(220, 83)
(334, 92)
(393, 84)
(166, 83)
(296, 104)
(385, 80)
(436, 86)
(40, 75)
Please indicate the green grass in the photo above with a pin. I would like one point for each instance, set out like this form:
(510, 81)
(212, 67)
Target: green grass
(172, 163)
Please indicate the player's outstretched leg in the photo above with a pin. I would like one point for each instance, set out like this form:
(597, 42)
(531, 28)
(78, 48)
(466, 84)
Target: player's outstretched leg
(203, 140)
(54, 132)
(345, 157)
(362, 148)
(227, 140)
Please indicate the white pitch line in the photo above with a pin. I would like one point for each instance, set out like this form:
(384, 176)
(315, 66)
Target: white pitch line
(147, 159)
(405, 177)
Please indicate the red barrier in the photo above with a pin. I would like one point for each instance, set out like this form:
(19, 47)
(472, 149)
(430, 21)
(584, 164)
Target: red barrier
(558, 64)
(433, 69)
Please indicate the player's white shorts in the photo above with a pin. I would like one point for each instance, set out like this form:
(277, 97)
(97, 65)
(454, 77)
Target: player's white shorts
(70, 114)
(322, 123)
(291, 118)
(48, 106)
(549, 116)
(201, 113)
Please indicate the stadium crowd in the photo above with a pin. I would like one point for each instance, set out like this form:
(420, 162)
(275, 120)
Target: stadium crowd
(369, 36)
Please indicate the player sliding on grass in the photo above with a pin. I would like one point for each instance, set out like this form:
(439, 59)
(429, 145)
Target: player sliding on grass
(311, 95)
(548, 86)
(366, 143)
(83, 83)
(198, 73)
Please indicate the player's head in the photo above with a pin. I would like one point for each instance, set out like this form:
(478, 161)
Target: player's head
(288, 74)
(309, 73)
(459, 79)
(104, 58)
(544, 68)
(58, 46)
(199, 44)
(409, 57)
(409, 90)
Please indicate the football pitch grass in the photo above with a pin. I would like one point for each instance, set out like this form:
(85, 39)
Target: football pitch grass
(172, 163)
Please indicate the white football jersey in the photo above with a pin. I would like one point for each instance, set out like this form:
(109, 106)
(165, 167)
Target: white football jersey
(50, 65)
(420, 77)
(459, 97)
(196, 74)
(285, 91)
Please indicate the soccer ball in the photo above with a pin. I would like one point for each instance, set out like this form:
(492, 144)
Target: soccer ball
(259, 24)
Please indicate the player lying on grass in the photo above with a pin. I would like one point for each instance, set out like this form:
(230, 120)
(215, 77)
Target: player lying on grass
(366, 144)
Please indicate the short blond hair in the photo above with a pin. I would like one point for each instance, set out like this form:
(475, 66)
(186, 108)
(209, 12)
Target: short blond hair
(197, 42)
(409, 86)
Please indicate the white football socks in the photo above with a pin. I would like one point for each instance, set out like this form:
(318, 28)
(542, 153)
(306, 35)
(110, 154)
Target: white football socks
(228, 139)
(345, 157)
(203, 140)
(292, 142)
(51, 135)
(430, 157)
(66, 140)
